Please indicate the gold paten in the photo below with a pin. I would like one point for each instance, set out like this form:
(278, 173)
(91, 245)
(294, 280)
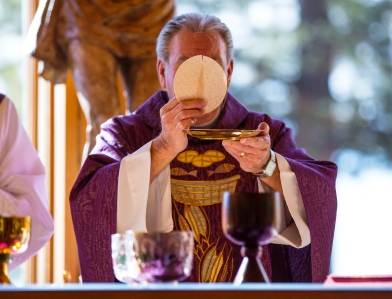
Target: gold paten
(222, 134)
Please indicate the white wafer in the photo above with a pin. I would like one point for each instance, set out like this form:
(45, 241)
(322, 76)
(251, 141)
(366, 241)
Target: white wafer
(201, 77)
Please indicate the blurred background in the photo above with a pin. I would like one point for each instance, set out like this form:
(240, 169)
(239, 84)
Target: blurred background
(325, 68)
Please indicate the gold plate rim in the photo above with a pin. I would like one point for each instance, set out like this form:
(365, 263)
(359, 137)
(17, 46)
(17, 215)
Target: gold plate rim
(222, 134)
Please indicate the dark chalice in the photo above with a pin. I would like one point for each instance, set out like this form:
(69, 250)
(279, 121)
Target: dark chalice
(14, 238)
(251, 220)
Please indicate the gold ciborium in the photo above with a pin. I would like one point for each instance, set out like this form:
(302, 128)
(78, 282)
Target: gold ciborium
(14, 239)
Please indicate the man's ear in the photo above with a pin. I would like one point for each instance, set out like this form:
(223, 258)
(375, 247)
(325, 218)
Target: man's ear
(230, 72)
(161, 68)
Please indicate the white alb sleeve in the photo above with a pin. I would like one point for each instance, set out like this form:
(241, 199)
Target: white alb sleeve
(296, 234)
(142, 206)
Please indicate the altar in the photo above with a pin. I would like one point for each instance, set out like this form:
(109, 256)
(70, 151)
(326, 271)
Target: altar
(197, 291)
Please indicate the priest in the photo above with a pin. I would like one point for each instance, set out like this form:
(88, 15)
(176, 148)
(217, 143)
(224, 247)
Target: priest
(147, 174)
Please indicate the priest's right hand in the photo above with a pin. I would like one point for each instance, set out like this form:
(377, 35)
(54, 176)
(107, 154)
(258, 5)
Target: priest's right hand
(175, 118)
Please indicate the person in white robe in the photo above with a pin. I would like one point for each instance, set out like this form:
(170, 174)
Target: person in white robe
(22, 181)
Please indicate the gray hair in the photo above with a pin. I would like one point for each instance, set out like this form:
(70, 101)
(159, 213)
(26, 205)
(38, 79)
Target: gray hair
(196, 23)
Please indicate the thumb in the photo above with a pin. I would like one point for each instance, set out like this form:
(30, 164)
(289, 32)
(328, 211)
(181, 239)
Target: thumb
(264, 127)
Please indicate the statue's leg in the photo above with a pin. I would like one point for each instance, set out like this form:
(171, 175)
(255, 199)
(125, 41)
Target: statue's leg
(140, 80)
(94, 73)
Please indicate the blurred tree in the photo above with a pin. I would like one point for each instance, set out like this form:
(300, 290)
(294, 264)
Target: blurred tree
(316, 127)
(346, 70)
(325, 67)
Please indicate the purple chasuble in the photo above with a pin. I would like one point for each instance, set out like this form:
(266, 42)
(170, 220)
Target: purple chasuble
(204, 165)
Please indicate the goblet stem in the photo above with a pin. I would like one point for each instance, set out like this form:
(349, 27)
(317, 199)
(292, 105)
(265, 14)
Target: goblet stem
(251, 269)
(4, 258)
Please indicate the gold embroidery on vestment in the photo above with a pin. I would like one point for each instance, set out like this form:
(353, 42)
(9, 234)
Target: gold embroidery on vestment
(196, 220)
(194, 195)
(202, 193)
(223, 168)
(211, 265)
(227, 269)
(201, 160)
(180, 171)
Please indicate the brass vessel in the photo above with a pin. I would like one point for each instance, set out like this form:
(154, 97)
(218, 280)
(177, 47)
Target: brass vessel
(14, 239)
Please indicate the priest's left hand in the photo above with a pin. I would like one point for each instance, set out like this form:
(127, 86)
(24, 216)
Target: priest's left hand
(252, 153)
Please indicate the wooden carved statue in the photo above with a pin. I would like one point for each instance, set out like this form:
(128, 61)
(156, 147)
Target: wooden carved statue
(96, 39)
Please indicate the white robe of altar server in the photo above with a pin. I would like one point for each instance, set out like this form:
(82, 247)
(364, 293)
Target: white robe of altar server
(22, 181)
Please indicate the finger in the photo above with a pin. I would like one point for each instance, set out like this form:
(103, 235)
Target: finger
(264, 127)
(260, 142)
(238, 155)
(185, 124)
(178, 111)
(193, 104)
(236, 147)
(255, 144)
(237, 150)
(250, 159)
(169, 106)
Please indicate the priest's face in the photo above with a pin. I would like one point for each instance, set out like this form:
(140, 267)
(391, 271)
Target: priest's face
(186, 44)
